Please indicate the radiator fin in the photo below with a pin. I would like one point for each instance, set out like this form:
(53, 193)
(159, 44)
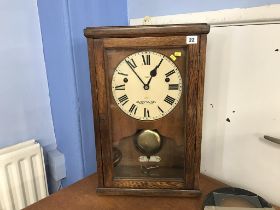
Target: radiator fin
(22, 175)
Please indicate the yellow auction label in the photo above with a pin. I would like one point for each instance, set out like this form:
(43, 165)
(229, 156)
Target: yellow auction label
(177, 54)
(173, 57)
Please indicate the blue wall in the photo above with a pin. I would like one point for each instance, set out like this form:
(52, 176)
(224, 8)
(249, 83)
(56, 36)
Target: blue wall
(25, 111)
(141, 8)
(65, 51)
(81, 15)
(60, 71)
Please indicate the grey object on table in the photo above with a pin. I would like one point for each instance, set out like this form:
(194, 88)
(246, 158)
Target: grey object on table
(231, 198)
(233, 208)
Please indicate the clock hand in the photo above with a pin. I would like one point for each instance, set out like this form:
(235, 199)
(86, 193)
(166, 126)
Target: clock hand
(153, 73)
(137, 75)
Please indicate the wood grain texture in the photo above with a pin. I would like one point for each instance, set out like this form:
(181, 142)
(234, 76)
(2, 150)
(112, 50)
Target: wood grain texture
(148, 192)
(95, 108)
(181, 128)
(142, 42)
(200, 92)
(149, 184)
(191, 113)
(103, 115)
(82, 196)
(148, 30)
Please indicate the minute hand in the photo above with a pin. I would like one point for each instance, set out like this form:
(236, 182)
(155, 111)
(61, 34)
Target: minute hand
(135, 73)
(153, 73)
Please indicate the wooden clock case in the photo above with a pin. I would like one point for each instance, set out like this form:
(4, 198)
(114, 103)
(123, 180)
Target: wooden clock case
(107, 46)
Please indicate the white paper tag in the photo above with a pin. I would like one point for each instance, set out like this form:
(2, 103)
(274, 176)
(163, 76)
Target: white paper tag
(152, 159)
(191, 39)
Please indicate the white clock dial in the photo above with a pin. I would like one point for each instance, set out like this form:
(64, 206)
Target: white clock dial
(147, 85)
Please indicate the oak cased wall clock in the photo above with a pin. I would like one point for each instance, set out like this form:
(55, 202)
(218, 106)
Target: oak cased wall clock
(147, 93)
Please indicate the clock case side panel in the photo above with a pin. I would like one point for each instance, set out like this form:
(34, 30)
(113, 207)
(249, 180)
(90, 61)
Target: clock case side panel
(94, 93)
(100, 112)
(201, 78)
(194, 109)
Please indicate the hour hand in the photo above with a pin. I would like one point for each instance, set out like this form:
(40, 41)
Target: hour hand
(153, 73)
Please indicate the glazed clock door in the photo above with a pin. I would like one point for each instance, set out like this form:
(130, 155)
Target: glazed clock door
(146, 87)
(147, 102)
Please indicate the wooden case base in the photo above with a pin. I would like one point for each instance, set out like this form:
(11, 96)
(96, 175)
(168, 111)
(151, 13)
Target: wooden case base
(148, 192)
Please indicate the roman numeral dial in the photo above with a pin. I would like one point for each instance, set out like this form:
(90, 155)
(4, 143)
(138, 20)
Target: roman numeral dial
(170, 100)
(131, 63)
(146, 85)
(168, 74)
(123, 99)
(146, 59)
(173, 87)
(133, 109)
(120, 87)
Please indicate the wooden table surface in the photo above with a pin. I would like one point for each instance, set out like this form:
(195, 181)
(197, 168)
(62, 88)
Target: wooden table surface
(81, 195)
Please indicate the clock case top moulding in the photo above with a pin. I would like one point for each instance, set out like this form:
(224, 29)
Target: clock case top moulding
(103, 39)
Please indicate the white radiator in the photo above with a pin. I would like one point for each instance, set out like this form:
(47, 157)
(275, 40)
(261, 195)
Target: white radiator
(22, 175)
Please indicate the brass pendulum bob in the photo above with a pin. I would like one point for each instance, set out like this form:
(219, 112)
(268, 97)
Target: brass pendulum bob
(148, 142)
